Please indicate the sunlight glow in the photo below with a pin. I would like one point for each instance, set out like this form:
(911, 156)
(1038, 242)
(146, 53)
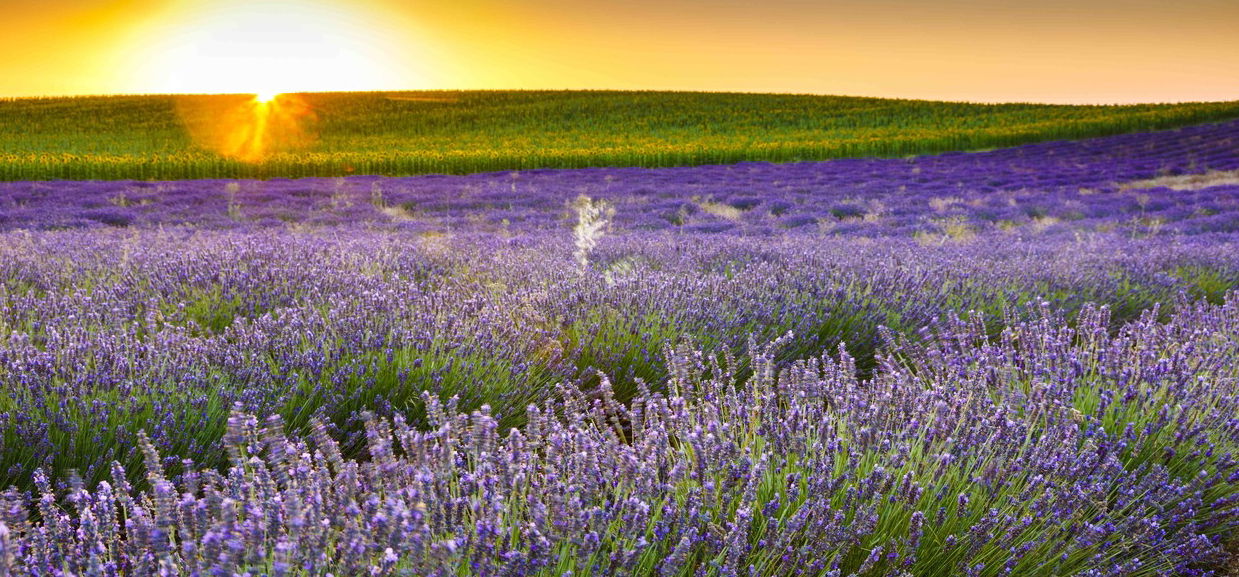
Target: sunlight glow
(266, 97)
(270, 47)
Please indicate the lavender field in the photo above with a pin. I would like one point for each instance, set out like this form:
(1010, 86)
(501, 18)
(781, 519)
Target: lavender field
(1015, 362)
(1088, 185)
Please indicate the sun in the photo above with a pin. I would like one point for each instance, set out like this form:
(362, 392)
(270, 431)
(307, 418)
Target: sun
(269, 47)
(266, 96)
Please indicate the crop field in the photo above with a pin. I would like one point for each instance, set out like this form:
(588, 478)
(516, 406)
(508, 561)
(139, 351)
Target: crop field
(1016, 362)
(446, 132)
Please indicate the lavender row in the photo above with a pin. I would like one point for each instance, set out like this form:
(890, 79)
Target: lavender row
(1091, 185)
(105, 333)
(1056, 449)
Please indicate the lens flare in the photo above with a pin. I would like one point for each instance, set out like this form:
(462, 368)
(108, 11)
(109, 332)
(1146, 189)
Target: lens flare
(249, 128)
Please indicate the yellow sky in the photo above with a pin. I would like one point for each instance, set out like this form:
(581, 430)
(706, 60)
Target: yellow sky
(985, 50)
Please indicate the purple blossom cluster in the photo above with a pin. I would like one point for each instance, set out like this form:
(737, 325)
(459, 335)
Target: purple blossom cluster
(1052, 450)
(1059, 186)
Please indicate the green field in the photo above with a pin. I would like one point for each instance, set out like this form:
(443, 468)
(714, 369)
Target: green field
(405, 133)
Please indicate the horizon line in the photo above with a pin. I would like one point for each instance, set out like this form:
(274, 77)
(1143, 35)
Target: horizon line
(4, 98)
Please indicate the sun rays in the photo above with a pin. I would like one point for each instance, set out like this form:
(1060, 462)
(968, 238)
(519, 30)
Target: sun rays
(249, 128)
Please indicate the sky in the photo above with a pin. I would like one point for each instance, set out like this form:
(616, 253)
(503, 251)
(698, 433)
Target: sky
(1066, 51)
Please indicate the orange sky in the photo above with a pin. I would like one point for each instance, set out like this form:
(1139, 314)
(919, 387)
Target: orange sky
(984, 50)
